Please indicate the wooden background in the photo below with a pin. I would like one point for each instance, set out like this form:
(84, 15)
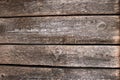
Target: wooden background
(59, 40)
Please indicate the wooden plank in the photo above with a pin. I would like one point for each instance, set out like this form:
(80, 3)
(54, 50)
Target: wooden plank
(61, 30)
(53, 55)
(57, 7)
(26, 73)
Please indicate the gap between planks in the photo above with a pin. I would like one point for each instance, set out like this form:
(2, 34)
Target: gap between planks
(60, 44)
(60, 15)
(49, 66)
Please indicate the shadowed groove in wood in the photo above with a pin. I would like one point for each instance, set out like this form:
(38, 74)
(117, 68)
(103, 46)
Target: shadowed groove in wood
(59, 15)
(49, 66)
(57, 44)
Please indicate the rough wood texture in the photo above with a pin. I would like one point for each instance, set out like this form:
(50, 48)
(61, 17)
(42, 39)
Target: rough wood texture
(26, 73)
(77, 56)
(61, 30)
(57, 7)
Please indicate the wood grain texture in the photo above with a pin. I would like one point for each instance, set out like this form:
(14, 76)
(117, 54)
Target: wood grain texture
(53, 55)
(61, 30)
(26, 73)
(57, 7)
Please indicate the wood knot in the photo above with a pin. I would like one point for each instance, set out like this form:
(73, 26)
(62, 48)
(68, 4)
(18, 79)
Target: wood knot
(56, 54)
(101, 26)
(2, 75)
(84, 8)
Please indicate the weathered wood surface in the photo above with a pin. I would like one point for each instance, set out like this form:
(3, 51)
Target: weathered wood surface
(53, 55)
(26, 73)
(58, 7)
(61, 30)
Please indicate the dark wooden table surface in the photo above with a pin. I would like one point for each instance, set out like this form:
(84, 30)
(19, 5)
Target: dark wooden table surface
(59, 40)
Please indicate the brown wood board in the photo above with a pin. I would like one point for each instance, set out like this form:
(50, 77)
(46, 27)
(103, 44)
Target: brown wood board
(53, 55)
(57, 7)
(61, 30)
(26, 73)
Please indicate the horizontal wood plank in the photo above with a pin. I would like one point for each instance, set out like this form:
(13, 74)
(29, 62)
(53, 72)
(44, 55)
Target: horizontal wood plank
(61, 30)
(58, 7)
(53, 55)
(26, 73)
